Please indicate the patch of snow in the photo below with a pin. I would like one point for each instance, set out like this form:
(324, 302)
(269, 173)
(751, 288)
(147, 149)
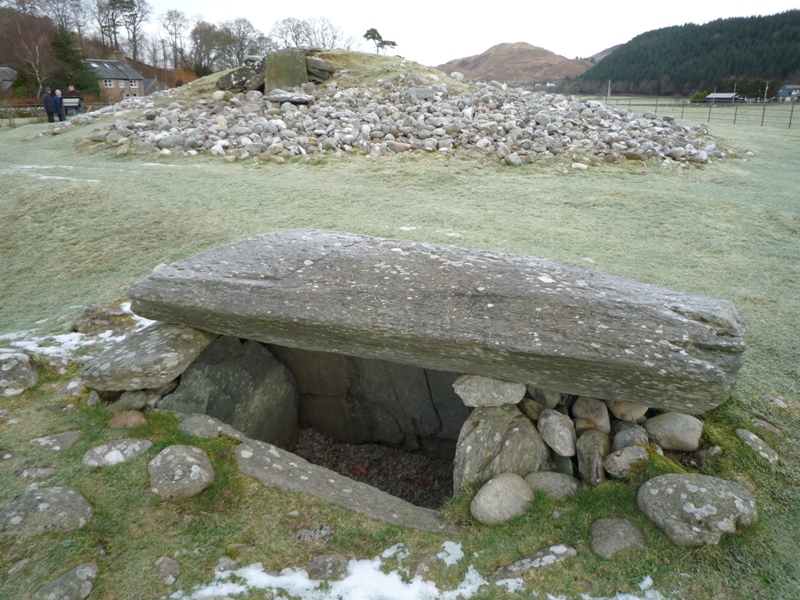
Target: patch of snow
(451, 553)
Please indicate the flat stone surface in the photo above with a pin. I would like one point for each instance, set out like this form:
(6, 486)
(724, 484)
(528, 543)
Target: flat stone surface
(547, 323)
(148, 358)
(116, 452)
(39, 511)
(758, 445)
(76, 584)
(58, 441)
(694, 509)
(283, 470)
(541, 558)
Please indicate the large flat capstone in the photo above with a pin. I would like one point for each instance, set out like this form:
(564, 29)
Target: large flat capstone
(543, 322)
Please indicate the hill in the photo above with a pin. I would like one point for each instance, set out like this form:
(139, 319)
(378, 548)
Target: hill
(516, 63)
(683, 59)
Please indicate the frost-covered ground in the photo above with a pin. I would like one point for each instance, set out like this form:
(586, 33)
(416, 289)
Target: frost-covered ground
(366, 580)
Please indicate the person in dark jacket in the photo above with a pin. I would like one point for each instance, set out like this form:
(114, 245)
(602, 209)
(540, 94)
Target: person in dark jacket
(74, 93)
(49, 105)
(59, 105)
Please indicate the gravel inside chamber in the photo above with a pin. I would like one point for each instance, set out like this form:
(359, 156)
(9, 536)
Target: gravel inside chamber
(419, 479)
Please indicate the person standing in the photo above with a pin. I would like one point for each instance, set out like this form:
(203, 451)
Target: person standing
(59, 103)
(49, 105)
(74, 93)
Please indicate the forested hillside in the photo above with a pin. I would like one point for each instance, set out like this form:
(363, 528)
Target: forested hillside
(748, 51)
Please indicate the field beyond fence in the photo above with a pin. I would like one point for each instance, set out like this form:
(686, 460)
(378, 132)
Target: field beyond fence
(752, 114)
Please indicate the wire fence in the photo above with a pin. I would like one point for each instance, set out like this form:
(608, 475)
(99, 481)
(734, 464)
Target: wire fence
(756, 114)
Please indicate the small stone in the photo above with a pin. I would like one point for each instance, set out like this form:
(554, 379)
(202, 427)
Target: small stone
(531, 408)
(476, 390)
(592, 448)
(167, 569)
(555, 485)
(628, 434)
(115, 452)
(557, 432)
(321, 532)
(773, 400)
(225, 563)
(501, 499)
(128, 420)
(59, 441)
(39, 474)
(180, 472)
(76, 584)
(136, 400)
(622, 463)
(94, 399)
(541, 558)
(595, 410)
(766, 426)
(675, 431)
(627, 411)
(758, 445)
(328, 566)
(610, 536)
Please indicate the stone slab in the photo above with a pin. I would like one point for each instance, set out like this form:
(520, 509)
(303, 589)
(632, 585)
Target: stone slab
(542, 322)
(279, 469)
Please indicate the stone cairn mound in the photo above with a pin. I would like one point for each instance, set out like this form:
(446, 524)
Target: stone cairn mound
(415, 112)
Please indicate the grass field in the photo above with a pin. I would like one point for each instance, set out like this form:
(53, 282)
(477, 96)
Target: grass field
(77, 226)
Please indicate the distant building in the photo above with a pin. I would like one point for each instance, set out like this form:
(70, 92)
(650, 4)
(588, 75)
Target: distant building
(7, 77)
(789, 93)
(117, 79)
(722, 98)
(153, 85)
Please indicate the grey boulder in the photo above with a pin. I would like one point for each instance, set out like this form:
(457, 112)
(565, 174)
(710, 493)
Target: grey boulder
(180, 472)
(242, 385)
(695, 510)
(675, 431)
(59, 509)
(76, 584)
(555, 485)
(501, 499)
(116, 452)
(497, 440)
(557, 431)
(610, 536)
(147, 358)
(17, 374)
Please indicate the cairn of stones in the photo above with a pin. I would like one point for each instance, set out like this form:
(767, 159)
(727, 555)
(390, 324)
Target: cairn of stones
(415, 112)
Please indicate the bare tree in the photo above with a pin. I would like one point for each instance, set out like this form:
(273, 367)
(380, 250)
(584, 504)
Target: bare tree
(109, 17)
(238, 38)
(175, 23)
(290, 33)
(316, 31)
(138, 14)
(29, 40)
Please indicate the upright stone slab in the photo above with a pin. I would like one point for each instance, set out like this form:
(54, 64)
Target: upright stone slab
(546, 323)
(285, 69)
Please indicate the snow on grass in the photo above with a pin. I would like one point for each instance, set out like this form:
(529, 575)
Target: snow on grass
(365, 580)
(451, 553)
(68, 344)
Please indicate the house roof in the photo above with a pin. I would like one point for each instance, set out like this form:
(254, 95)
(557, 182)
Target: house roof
(112, 69)
(722, 96)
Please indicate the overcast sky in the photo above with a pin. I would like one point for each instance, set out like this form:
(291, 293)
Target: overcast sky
(433, 33)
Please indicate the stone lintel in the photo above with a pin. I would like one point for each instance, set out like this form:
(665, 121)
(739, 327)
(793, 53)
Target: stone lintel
(543, 322)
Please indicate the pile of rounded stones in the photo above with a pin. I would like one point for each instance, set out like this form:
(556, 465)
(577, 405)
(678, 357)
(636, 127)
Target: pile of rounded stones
(560, 442)
(492, 120)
